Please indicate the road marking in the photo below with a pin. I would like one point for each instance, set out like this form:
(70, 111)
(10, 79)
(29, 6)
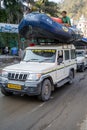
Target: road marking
(49, 125)
(83, 125)
(33, 110)
(36, 108)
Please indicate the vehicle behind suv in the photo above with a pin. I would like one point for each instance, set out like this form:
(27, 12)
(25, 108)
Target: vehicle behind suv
(42, 69)
(81, 60)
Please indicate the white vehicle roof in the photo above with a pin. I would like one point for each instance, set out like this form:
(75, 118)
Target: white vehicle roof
(80, 50)
(59, 47)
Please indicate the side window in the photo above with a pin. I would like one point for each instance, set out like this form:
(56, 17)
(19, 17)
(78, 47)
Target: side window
(60, 57)
(66, 54)
(73, 54)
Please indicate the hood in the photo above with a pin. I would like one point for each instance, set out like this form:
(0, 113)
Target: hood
(31, 67)
(80, 59)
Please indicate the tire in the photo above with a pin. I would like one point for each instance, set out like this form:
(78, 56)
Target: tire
(4, 92)
(46, 90)
(71, 77)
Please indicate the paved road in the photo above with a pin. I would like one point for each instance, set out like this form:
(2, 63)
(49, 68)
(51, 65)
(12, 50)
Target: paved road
(66, 110)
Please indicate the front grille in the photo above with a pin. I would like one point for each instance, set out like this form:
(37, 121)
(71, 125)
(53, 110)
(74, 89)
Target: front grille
(17, 76)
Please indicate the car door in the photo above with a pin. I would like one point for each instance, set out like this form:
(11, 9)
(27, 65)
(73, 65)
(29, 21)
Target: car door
(60, 66)
(73, 59)
(67, 62)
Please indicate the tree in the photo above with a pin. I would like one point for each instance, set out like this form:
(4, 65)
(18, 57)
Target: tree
(11, 14)
(52, 8)
(48, 7)
(13, 11)
(3, 16)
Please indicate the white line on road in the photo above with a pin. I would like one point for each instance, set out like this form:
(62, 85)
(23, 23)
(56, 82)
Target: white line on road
(83, 125)
(35, 109)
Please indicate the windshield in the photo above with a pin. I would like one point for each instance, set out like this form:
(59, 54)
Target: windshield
(79, 54)
(40, 55)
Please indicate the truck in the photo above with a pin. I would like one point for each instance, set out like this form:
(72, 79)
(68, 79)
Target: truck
(42, 69)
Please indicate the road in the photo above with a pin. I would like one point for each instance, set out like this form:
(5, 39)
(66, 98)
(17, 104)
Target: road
(66, 110)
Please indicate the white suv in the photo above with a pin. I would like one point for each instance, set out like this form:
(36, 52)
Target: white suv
(81, 59)
(42, 69)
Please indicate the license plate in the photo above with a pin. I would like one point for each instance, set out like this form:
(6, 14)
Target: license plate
(14, 86)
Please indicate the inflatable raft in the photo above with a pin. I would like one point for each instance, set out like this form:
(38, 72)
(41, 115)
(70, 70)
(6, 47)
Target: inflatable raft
(40, 26)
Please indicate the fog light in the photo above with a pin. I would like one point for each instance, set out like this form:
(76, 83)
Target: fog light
(31, 89)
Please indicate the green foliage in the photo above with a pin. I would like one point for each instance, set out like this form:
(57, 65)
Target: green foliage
(52, 8)
(8, 40)
(12, 12)
(48, 7)
(3, 16)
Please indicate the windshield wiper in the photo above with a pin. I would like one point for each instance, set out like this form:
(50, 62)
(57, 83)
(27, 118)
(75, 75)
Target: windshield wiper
(46, 60)
(31, 60)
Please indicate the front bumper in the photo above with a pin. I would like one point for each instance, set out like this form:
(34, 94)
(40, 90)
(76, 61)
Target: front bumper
(29, 88)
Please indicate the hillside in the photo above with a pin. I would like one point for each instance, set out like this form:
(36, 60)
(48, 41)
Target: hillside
(75, 8)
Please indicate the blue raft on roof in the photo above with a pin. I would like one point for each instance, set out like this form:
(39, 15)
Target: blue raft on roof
(40, 26)
(81, 42)
(84, 40)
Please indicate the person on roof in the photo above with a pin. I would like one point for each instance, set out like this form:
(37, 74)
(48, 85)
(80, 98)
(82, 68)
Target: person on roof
(66, 20)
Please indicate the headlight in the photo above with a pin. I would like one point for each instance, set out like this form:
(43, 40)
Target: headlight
(34, 77)
(4, 73)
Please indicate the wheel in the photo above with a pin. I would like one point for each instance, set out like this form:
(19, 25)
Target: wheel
(71, 77)
(46, 90)
(4, 92)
